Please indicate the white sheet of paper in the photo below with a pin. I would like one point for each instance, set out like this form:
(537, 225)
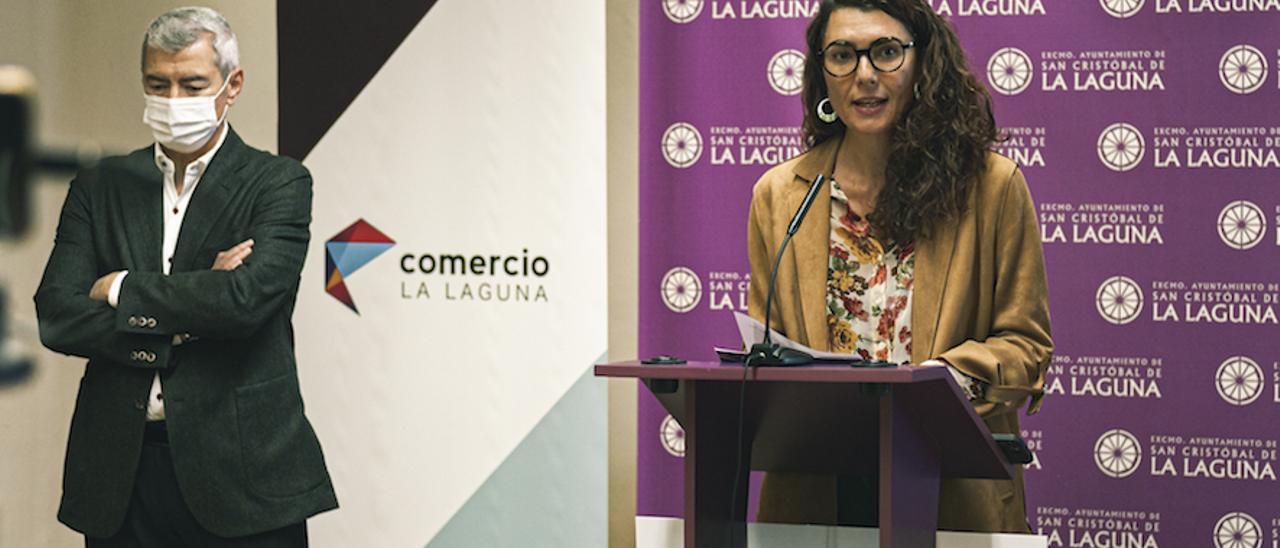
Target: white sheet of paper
(752, 332)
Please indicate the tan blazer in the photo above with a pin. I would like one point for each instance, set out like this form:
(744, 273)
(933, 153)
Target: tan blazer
(979, 302)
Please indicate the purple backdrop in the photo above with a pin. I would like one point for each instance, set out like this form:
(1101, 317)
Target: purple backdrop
(1149, 131)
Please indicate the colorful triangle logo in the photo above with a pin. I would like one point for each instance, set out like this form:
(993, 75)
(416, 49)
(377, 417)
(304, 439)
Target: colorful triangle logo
(348, 251)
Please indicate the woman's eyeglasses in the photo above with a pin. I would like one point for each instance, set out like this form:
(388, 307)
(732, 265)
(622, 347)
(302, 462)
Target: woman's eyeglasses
(886, 54)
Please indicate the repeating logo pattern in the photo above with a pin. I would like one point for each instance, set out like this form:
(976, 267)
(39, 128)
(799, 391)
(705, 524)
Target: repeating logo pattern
(682, 11)
(1009, 71)
(1242, 69)
(1117, 453)
(1121, 8)
(672, 435)
(1241, 224)
(1119, 300)
(1121, 146)
(1175, 147)
(681, 289)
(1237, 530)
(681, 145)
(346, 252)
(786, 72)
(1239, 380)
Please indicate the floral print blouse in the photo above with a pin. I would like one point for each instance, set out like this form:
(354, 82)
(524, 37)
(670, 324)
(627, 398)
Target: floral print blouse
(869, 293)
(868, 288)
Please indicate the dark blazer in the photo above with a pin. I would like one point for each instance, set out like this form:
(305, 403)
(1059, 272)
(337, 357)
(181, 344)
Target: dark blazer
(246, 458)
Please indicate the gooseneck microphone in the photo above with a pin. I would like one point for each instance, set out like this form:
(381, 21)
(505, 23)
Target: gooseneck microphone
(765, 352)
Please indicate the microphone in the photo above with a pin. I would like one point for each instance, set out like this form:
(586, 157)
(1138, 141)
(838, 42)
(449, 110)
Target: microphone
(766, 353)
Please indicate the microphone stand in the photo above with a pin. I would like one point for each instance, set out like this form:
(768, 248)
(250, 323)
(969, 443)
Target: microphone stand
(766, 353)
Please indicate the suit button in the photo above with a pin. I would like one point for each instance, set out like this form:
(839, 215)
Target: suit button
(151, 357)
(139, 404)
(151, 322)
(134, 355)
(133, 321)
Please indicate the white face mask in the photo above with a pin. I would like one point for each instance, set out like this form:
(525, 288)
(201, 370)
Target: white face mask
(184, 124)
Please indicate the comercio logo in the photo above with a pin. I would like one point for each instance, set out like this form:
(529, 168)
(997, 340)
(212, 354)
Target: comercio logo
(346, 252)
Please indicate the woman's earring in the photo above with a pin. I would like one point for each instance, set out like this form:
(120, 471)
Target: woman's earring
(826, 112)
(917, 90)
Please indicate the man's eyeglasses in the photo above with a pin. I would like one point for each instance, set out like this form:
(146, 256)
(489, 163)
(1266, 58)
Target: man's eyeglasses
(886, 54)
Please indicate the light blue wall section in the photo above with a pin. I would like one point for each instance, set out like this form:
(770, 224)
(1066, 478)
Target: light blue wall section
(552, 490)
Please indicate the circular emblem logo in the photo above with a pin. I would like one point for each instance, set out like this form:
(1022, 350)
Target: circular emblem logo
(1120, 147)
(672, 436)
(1239, 380)
(1121, 9)
(1117, 453)
(681, 145)
(682, 11)
(786, 72)
(681, 289)
(1242, 69)
(1009, 71)
(1241, 224)
(1237, 530)
(1119, 300)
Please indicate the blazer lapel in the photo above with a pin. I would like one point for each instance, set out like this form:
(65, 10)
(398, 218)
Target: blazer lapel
(211, 197)
(933, 269)
(141, 209)
(809, 248)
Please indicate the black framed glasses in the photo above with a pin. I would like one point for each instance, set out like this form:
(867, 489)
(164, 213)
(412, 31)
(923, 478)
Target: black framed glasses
(840, 58)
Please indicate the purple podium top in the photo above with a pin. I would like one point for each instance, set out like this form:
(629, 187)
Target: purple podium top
(719, 371)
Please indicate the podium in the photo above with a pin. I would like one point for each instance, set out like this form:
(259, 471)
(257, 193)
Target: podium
(910, 426)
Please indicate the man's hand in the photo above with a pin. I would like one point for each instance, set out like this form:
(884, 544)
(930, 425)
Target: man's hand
(102, 287)
(231, 259)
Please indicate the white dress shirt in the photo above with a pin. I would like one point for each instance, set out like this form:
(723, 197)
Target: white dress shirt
(175, 209)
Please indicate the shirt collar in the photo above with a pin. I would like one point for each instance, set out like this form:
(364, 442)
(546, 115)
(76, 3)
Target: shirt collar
(166, 165)
(837, 194)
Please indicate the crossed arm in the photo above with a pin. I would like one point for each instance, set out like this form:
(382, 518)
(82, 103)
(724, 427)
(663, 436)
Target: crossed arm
(231, 300)
(226, 260)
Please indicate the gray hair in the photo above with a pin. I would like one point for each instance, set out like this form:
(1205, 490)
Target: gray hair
(176, 29)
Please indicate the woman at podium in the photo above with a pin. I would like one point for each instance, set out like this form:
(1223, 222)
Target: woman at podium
(924, 248)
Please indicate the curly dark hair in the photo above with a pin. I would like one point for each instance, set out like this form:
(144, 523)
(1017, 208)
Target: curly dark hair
(939, 147)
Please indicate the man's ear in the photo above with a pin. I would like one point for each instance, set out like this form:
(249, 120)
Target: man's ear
(235, 85)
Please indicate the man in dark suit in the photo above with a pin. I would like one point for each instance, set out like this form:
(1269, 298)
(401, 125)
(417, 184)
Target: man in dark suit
(175, 271)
